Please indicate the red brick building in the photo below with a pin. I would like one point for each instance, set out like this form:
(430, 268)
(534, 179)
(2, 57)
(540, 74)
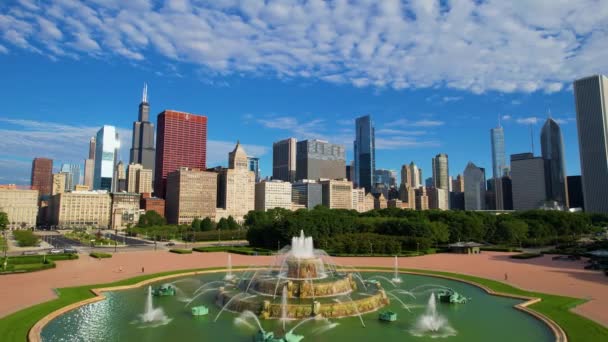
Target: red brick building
(152, 203)
(42, 175)
(181, 141)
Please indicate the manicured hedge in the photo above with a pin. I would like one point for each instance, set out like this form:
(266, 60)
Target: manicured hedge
(27, 267)
(234, 250)
(99, 255)
(26, 238)
(180, 251)
(526, 256)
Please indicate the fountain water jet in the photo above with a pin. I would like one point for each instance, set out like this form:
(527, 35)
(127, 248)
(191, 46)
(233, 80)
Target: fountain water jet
(431, 323)
(151, 315)
(229, 276)
(396, 279)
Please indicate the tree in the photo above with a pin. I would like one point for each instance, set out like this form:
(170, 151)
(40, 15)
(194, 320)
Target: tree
(207, 225)
(511, 231)
(151, 218)
(232, 225)
(3, 220)
(222, 224)
(196, 224)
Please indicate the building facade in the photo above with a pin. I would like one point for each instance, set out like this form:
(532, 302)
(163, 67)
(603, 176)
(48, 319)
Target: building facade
(575, 192)
(359, 200)
(107, 144)
(125, 209)
(59, 180)
(236, 185)
(316, 159)
(552, 147)
(441, 173)
(365, 152)
(458, 184)
(422, 199)
(499, 162)
(191, 194)
(21, 207)
(139, 180)
(42, 175)
(120, 175)
(149, 203)
(86, 209)
(528, 181)
(474, 187)
(273, 194)
(337, 194)
(181, 141)
(591, 100)
(438, 198)
(284, 160)
(72, 172)
(307, 193)
(142, 146)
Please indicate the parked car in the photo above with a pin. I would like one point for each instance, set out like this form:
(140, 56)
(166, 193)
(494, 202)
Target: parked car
(56, 251)
(70, 250)
(170, 244)
(30, 253)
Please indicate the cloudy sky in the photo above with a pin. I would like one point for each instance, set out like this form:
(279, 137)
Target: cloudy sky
(435, 75)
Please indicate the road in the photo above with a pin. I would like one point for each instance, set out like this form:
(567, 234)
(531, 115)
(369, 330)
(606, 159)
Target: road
(129, 241)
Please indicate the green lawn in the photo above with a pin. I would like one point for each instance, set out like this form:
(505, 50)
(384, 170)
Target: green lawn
(15, 327)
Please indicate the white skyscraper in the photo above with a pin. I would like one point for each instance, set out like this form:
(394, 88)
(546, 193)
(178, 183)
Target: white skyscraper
(106, 157)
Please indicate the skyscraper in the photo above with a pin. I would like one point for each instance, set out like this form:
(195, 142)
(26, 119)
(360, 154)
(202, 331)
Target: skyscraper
(181, 141)
(120, 177)
(106, 157)
(73, 175)
(474, 188)
(365, 152)
(441, 173)
(254, 165)
(142, 148)
(527, 181)
(284, 160)
(236, 186)
(499, 163)
(410, 175)
(42, 175)
(89, 165)
(552, 147)
(591, 96)
(319, 159)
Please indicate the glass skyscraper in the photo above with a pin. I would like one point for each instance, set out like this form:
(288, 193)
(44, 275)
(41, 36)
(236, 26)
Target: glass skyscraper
(365, 153)
(552, 147)
(106, 157)
(498, 152)
(73, 178)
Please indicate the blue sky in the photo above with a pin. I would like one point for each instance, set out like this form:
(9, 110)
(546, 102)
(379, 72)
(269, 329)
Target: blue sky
(435, 76)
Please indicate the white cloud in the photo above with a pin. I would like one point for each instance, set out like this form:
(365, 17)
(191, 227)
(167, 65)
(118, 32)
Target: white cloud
(417, 123)
(506, 117)
(217, 151)
(532, 120)
(403, 142)
(389, 131)
(301, 130)
(3, 49)
(463, 44)
(447, 99)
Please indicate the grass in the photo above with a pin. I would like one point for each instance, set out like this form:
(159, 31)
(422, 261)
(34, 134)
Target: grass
(30, 263)
(15, 327)
(234, 249)
(180, 251)
(99, 255)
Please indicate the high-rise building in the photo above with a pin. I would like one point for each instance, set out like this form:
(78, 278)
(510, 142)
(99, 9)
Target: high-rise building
(337, 194)
(284, 160)
(591, 96)
(21, 207)
(507, 193)
(236, 185)
(191, 194)
(132, 177)
(139, 180)
(552, 147)
(72, 172)
(422, 199)
(106, 157)
(497, 136)
(42, 175)
(254, 166)
(386, 177)
(365, 152)
(441, 173)
(89, 165)
(316, 159)
(272, 194)
(458, 184)
(411, 175)
(438, 198)
(307, 193)
(575, 192)
(359, 200)
(474, 187)
(120, 176)
(59, 180)
(181, 141)
(528, 181)
(142, 147)
(81, 209)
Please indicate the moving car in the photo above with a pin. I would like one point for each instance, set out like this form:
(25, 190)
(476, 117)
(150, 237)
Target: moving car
(70, 250)
(56, 251)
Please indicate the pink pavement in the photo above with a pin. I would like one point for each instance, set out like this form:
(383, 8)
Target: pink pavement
(19, 291)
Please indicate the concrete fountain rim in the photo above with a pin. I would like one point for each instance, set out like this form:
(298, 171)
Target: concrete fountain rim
(35, 333)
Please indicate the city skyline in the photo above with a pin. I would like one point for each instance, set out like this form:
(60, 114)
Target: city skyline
(413, 122)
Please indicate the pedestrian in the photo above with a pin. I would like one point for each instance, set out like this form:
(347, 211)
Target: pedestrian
(506, 276)
(142, 269)
(120, 269)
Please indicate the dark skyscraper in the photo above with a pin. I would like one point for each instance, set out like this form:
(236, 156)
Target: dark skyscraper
(284, 160)
(181, 141)
(365, 153)
(317, 159)
(575, 192)
(552, 147)
(42, 175)
(142, 149)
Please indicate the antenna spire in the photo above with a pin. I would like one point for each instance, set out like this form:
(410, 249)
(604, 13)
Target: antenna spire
(144, 96)
(498, 120)
(532, 137)
(550, 116)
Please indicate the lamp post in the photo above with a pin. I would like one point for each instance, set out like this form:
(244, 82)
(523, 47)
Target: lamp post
(115, 239)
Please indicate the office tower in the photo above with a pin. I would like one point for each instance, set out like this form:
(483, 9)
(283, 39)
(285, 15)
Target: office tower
(120, 177)
(428, 182)
(125, 210)
(106, 157)
(307, 193)
(365, 152)
(359, 200)
(552, 147)
(139, 180)
(422, 199)
(181, 141)
(73, 175)
(81, 209)
(59, 180)
(575, 192)
(497, 135)
(254, 166)
(42, 175)
(236, 186)
(132, 177)
(438, 198)
(316, 159)
(528, 181)
(591, 96)
(191, 194)
(337, 194)
(284, 160)
(450, 183)
(21, 207)
(386, 177)
(458, 184)
(272, 194)
(142, 147)
(89, 165)
(507, 193)
(349, 169)
(441, 173)
(457, 200)
(474, 187)
(380, 201)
